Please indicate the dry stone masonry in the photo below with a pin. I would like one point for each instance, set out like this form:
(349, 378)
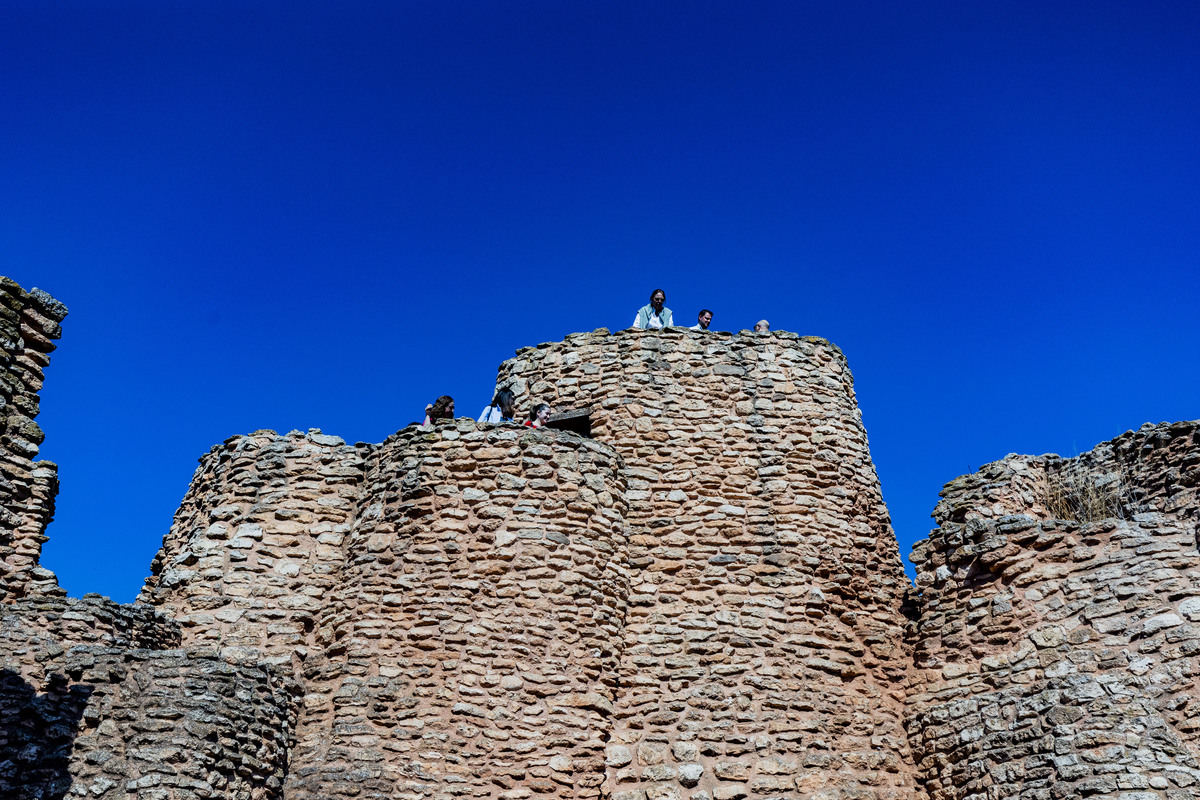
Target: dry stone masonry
(764, 646)
(97, 699)
(29, 324)
(700, 599)
(471, 645)
(258, 543)
(1057, 646)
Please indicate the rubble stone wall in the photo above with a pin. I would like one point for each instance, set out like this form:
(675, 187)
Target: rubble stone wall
(35, 631)
(1059, 657)
(116, 724)
(258, 543)
(29, 324)
(472, 644)
(764, 647)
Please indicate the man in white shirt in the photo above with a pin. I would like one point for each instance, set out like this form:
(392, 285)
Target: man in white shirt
(702, 321)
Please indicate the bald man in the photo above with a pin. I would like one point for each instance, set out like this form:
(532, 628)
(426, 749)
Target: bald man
(762, 326)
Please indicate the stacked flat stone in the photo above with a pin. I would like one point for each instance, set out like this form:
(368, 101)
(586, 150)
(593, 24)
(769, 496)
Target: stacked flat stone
(413, 585)
(481, 636)
(113, 722)
(29, 324)
(471, 645)
(257, 543)
(1059, 657)
(764, 650)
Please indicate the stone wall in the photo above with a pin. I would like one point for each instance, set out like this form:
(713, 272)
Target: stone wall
(764, 652)
(109, 722)
(257, 543)
(94, 701)
(1058, 657)
(35, 631)
(453, 600)
(28, 326)
(471, 647)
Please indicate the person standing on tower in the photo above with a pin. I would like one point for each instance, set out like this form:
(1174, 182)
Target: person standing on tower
(654, 316)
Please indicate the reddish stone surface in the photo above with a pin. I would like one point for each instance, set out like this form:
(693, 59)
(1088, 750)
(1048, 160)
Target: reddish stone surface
(764, 651)
(1058, 657)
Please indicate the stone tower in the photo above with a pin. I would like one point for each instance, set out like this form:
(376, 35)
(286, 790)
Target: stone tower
(763, 651)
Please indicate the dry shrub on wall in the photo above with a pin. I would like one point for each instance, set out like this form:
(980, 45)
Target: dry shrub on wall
(1078, 493)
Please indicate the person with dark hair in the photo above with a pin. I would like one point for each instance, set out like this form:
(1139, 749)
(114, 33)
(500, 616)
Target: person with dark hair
(654, 316)
(702, 321)
(502, 408)
(539, 415)
(442, 408)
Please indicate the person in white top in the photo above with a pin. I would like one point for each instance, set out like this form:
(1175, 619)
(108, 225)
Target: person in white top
(654, 316)
(502, 408)
(702, 321)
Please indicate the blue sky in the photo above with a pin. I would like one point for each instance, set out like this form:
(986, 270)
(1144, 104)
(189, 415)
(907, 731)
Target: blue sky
(295, 215)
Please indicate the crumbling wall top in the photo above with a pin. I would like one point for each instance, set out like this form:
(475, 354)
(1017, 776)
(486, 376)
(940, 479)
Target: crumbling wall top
(29, 324)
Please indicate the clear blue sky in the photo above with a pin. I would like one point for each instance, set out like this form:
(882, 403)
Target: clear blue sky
(296, 214)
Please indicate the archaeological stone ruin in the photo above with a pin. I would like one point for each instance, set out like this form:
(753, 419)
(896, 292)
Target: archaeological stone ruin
(686, 588)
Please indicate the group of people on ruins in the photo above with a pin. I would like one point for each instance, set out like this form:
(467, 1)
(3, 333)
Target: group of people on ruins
(503, 408)
(655, 315)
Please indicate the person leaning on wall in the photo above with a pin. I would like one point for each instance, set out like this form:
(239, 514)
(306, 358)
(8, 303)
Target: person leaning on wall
(654, 316)
(539, 415)
(502, 408)
(442, 408)
(703, 320)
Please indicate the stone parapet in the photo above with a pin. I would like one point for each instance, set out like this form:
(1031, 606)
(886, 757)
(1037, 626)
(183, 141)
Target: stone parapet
(29, 324)
(1056, 656)
(764, 651)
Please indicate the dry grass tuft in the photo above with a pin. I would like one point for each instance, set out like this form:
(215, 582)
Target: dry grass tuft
(1079, 494)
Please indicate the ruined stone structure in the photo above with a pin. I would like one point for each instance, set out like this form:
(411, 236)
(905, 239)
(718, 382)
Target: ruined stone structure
(29, 322)
(699, 598)
(1059, 657)
(98, 699)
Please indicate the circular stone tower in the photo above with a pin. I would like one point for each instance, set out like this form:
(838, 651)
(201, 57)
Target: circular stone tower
(763, 649)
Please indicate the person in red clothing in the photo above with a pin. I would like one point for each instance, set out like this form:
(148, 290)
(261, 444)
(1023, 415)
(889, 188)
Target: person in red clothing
(539, 416)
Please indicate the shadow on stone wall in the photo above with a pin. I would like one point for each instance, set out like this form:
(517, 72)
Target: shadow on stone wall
(37, 730)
